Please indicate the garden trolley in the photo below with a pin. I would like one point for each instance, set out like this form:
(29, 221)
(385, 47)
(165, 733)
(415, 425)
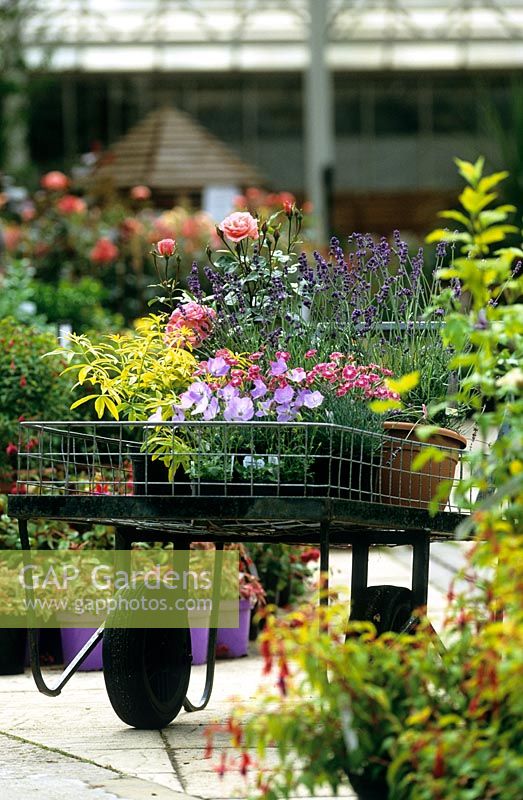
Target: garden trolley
(235, 482)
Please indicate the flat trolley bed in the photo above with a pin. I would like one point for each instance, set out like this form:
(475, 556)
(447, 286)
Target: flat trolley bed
(328, 488)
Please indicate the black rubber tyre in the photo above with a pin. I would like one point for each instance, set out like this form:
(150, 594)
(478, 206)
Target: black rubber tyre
(387, 607)
(146, 671)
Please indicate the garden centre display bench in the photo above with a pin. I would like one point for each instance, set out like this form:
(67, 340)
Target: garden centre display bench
(236, 482)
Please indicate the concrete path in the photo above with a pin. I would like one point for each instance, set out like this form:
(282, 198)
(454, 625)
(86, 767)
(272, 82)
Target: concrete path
(75, 746)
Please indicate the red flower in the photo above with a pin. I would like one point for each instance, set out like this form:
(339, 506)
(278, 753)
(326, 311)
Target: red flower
(55, 181)
(104, 251)
(23, 381)
(11, 449)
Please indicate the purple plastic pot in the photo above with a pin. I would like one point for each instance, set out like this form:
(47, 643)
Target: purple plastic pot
(199, 642)
(234, 642)
(73, 639)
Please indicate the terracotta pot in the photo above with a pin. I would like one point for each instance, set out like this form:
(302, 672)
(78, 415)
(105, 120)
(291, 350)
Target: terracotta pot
(397, 484)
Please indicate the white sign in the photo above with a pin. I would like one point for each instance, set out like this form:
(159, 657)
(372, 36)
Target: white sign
(218, 201)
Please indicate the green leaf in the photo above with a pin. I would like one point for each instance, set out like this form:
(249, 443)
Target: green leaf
(466, 169)
(84, 372)
(444, 235)
(99, 405)
(382, 406)
(473, 201)
(495, 234)
(489, 181)
(405, 383)
(83, 400)
(426, 455)
(111, 406)
(457, 215)
(225, 260)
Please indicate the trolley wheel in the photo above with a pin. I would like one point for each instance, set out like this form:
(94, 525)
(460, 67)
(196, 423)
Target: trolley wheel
(387, 607)
(146, 671)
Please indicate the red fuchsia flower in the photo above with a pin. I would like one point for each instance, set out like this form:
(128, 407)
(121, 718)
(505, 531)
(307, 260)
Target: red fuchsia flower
(54, 181)
(239, 225)
(140, 192)
(104, 251)
(23, 381)
(11, 449)
(166, 247)
(70, 204)
(190, 323)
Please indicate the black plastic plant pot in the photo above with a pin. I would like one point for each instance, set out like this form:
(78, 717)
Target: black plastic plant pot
(343, 477)
(151, 477)
(12, 650)
(368, 788)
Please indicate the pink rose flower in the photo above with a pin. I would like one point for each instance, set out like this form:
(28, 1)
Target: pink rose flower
(104, 251)
(140, 193)
(166, 247)
(190, 323)
(239, 225)
(70, 204)
(54, 181)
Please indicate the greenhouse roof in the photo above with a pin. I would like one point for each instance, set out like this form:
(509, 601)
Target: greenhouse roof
(268, 35)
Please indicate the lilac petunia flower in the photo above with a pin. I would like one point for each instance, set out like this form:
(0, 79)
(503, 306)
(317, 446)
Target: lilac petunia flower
(298, 375)
(218, 366)
(198, 395)
(239, 409)
(313, 399)
(212, 409)
(278, 367)
(285, 395)
(260, 389)
(228, 392)
(178, 414)
(264, 408)
(157, 416)
(284, 413)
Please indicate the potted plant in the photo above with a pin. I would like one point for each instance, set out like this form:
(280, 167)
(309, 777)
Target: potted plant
(14, 638)
(233, 641)
(284, 570)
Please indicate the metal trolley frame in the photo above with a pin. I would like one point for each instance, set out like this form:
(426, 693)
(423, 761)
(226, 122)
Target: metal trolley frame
(339, 500)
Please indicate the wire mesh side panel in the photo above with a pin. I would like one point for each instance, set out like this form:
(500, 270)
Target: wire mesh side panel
(234, 459)
(62, 458)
